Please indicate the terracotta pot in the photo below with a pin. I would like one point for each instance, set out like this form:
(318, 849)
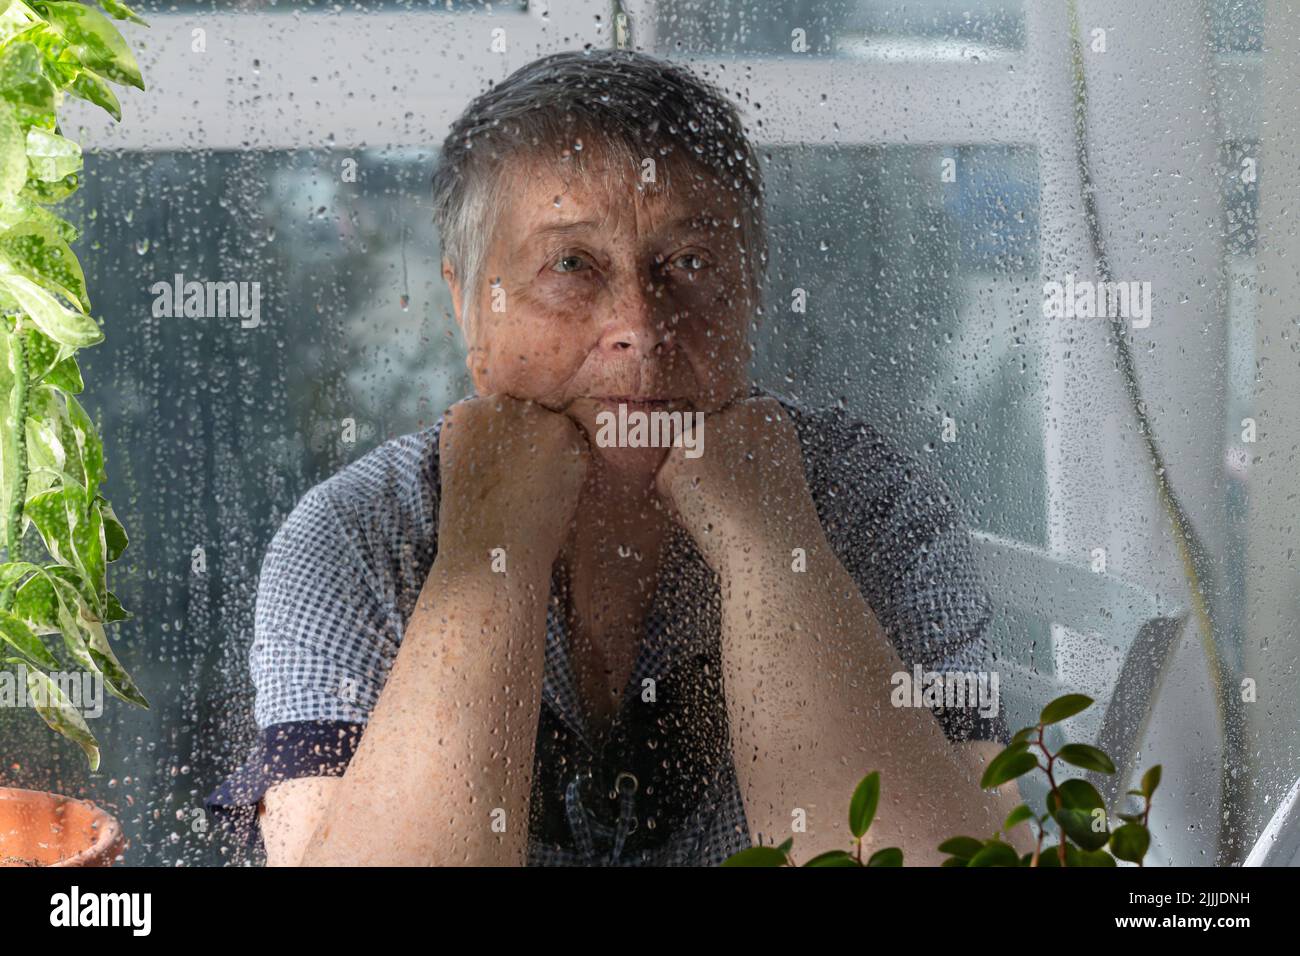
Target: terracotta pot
(45, 829)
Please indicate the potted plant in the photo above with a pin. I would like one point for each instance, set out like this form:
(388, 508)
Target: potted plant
(51, 457)
(1085, 835)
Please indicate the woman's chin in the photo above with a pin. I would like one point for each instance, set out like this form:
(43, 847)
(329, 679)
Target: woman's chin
(632, 462)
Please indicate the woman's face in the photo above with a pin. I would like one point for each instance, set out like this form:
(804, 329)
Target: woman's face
(595, 292)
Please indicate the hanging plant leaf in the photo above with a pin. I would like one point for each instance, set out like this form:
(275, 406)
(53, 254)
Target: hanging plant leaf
(66, 376)
(59, 713)
(95, 41)
(53, 157)
(9, 469)
(114, 534)
(13, 154)
(113, 610)
(90, 86)
(89, 445)
(42, 354)
(22, 81)
(120, 11)
(115, 676)
(48, 513)
(17, 211)
(37, 251)
(12, 572)
(15, 633)
(59, 323)
(38, 190)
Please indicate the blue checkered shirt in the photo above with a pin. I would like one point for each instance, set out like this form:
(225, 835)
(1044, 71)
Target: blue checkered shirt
(342, 575)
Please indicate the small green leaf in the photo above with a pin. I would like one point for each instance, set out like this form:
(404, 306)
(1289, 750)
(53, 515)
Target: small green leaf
(962, 846)
(1019, 815)
(1050, 857)
(1094, 858)
(1150, 780)
(862, 808)
(757, 856)
(833, 858)
(1131, 842)
(996, 853)
(1087, 757)
(1076, 794)
(1077, 825)
(1064, 707)
(1008, 765)
(955, 861)
(1023, 735)
(889, 856)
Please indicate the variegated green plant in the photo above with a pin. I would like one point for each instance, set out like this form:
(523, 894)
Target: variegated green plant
(51, 457)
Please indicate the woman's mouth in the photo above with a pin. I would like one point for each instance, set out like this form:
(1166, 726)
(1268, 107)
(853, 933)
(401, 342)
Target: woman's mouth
(642, 403)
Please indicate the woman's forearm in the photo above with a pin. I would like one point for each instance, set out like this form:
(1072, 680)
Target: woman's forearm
(807, 669)
(443, 772)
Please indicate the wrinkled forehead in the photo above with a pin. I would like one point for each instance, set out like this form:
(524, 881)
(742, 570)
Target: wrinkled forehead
(610, 186)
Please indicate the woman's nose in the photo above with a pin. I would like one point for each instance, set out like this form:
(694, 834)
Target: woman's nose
(636, 325)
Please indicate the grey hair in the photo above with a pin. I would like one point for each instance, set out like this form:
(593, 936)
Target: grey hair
(629, 106)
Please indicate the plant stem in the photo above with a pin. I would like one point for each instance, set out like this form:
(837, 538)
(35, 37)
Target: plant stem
(1051, 779)
(18, 448)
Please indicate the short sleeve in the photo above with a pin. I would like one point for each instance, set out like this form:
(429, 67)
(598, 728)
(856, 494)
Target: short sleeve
(899, 534)
(323, 644)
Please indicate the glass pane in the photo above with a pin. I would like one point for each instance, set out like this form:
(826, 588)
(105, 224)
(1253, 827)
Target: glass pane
(852, 29)
(924, 262)
(146, 7)
(215, 427)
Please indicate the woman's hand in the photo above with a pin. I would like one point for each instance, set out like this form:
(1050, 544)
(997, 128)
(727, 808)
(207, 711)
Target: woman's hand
(512, 472)
(744, 500)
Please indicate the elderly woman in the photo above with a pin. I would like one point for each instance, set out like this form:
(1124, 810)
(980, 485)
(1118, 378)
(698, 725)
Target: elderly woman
(518, 637)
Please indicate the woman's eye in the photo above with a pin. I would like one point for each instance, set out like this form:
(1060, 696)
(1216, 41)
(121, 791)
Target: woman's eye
(689, 262)
(568, 264)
